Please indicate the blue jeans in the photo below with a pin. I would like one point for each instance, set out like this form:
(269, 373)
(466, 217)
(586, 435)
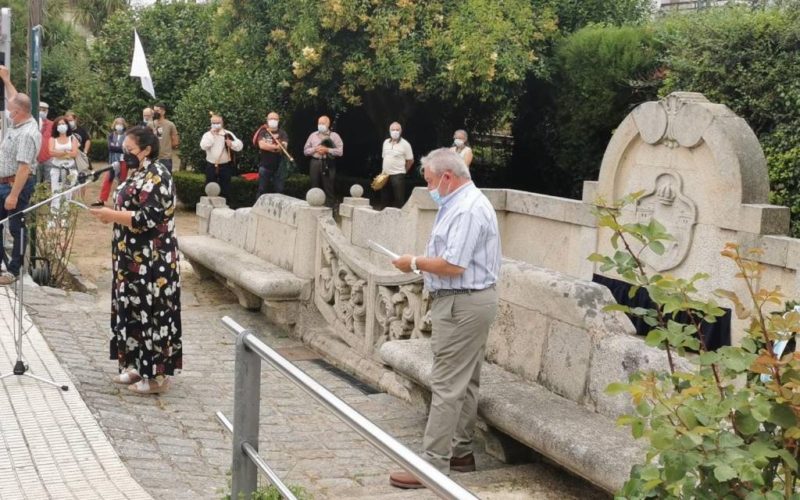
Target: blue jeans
(15, 224)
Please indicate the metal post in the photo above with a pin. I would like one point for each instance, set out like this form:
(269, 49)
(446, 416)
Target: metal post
(5, 59)
(246, 407)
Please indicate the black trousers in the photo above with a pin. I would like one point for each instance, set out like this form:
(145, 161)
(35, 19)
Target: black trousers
(220, 174)
(393, 193)
(323, 175)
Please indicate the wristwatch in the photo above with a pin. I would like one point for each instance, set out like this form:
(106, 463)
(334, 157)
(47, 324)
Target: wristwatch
(414, 264)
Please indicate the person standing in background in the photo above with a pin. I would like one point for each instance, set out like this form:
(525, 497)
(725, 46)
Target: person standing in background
(119, 169)
(84, 140)
(167, 134)
(461, 146)
(324, 147)
(398, 158)
(220, 146)
(46, 127)
(270, 154)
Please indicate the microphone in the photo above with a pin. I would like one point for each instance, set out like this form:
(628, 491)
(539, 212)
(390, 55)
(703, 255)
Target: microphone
(94, 174)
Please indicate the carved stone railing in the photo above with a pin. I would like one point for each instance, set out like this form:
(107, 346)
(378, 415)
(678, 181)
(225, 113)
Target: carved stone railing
(365, 301)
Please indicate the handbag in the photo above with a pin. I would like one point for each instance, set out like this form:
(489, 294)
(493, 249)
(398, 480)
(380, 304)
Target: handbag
(82, 159)
(379, 181)
(82, 162)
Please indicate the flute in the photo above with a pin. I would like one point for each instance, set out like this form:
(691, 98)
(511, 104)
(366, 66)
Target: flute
(280, 145)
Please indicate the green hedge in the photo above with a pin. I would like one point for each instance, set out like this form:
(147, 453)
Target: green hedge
(748, 60)
(99, 151)
(190, 186)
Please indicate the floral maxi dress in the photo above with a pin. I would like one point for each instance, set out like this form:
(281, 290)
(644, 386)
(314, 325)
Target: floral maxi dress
(145, 292)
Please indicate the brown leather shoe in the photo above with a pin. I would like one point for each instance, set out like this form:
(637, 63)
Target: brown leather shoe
(403, 479)
(463, 464)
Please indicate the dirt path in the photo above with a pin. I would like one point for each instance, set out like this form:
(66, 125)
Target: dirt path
(91, 249)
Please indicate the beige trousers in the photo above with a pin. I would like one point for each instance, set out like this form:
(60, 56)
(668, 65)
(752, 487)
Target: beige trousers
(460, 330)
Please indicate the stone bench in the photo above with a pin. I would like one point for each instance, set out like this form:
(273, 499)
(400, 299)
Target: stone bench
(589, 444)
(255, 282)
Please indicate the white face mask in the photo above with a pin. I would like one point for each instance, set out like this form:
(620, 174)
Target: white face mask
(147, 119)
(43, 115)
(458, 142)
(394, 134)
(272, 123)
(216, 126)
(119, 128)
(322, 128)
(62, 129)
(72, 123)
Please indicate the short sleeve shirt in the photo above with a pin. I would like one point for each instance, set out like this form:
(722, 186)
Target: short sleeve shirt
(21, 145)
(269, 159)
(164, 130)
(395, 155)
(82, 135)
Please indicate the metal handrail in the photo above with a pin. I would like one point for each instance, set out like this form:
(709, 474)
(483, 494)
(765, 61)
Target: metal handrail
(250, 351)
(252, 453)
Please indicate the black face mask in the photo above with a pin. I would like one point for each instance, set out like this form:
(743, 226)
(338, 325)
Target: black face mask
(156, 115)
(131, 160)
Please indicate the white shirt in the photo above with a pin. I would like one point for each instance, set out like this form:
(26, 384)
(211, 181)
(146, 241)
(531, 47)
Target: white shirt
(214, 146)
(465, 234)
(395, 155)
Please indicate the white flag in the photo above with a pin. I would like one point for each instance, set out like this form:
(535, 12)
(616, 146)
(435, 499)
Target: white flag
(139, 66)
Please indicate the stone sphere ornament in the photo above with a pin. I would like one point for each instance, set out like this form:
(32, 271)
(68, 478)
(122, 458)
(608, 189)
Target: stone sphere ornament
(212, 189)
(356, 191)
(315, 197)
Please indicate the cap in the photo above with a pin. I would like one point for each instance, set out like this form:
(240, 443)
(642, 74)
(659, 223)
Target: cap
(44, 105)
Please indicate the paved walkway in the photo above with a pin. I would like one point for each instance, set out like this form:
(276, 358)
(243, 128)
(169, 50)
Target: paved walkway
(50, 444)
(172, 444)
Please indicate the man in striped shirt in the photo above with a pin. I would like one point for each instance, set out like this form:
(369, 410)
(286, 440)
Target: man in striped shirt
(460, 268)
(17, 168)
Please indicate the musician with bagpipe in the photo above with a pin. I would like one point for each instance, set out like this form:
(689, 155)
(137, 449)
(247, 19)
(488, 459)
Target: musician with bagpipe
(323, 147)
(274, 160)
(221, 147)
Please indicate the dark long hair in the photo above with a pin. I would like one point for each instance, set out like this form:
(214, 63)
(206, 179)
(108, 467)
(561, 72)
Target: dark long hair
(144, 136)
(54, 132)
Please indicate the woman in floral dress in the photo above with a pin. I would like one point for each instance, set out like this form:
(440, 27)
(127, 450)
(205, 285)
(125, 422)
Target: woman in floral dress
(145, 294)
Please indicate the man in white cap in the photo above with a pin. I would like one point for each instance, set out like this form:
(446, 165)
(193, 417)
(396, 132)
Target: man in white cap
(46, 126)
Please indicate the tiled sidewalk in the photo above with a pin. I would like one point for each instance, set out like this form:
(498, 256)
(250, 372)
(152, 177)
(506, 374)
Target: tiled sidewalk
(51, 446)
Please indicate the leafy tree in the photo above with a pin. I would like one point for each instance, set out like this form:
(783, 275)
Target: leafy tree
(176, 42)
(94, 13)
(435, 64)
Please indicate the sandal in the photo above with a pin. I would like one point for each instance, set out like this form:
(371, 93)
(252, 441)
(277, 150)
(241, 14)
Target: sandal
(146, 386)
(127, 377)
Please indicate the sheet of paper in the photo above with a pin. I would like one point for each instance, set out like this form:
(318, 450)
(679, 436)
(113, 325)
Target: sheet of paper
(79, 204)
(382, 249)
(385, 251)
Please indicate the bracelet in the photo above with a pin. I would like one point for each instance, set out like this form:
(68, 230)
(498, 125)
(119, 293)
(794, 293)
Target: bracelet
(414, 264)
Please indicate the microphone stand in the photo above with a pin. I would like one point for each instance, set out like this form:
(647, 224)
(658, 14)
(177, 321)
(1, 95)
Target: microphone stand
(20, 367)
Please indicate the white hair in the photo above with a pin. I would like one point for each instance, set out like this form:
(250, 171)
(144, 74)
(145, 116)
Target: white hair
(444, 160)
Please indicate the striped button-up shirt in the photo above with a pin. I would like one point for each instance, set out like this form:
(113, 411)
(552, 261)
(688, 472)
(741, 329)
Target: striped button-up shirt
(465, 233)
(21, 145)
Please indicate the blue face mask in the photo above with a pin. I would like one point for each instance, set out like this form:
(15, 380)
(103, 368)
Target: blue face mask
(436, 195)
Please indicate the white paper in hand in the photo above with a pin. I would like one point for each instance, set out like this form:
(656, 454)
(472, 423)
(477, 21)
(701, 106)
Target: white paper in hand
(385, 251)
(382, 249)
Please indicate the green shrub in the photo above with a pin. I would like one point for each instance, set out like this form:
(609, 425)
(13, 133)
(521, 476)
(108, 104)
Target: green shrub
(729, 427)
(99, 151)
(602, 74)
(748, 60)
(190, 186)
(232, 93)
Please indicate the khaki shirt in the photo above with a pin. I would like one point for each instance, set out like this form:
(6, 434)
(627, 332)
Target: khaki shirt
(164, 130)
